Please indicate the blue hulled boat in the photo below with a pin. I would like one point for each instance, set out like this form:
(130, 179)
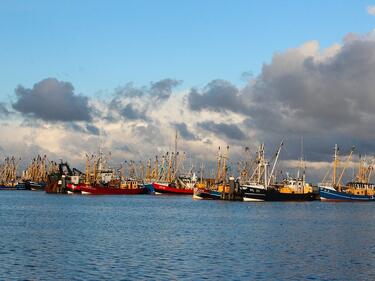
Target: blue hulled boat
(18, 186)
(366, 193)
(360, 189)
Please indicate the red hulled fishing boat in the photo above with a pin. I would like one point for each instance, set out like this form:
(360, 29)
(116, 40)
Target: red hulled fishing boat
(105, 190)
(171, 188)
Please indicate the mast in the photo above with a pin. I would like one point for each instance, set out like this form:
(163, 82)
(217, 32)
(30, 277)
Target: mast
(175, 155)
(275, 162)
(224, 173)
(301, 161)
(345, 166)
(218, 166)
(370, 168)
(87, 170)
(335, 164)
(148, 170)
(201, 172)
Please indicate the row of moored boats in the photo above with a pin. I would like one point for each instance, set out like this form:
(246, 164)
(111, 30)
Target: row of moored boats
(256, 178)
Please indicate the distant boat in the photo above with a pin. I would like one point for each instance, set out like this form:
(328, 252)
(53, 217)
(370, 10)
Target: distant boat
(258, 187)
(171, 188)
(360, 189)
(105, 190)
(16, 186)
(149, 187)
(253, 192)
(35, 185)
(363, 193)
(206, 194)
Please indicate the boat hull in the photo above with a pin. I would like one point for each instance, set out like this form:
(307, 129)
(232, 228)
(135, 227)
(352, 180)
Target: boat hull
(274, 195)
(19, 186)
(204, 194)
(252, 193)
(150, 188)
(35, 185)
(165, 188)
(101, 190)
(336, 196)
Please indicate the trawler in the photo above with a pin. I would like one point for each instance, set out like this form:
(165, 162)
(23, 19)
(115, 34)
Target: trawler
(359, 189)
(36, 174)
(170, 180)
(100, 179)
(256, 188)
(292, 188)
(216, 188)
(8, 174)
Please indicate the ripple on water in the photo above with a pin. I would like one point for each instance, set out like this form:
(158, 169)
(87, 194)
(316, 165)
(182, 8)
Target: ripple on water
(48, 237)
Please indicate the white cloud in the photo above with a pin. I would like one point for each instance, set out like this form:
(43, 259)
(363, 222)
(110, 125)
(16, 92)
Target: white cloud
(371, 10)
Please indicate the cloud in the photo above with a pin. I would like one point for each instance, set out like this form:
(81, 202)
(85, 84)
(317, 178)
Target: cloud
(218, 95)
(131, 113)
(4, 110)
(371, 10)
(134, 103)
(92, 129)
(325, 96)
(337, 92)
(230, 131)
(52, 100)
(326, 99)
(184, 132)
(162, 89)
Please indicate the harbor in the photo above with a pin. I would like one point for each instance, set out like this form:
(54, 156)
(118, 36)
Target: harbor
(187, 140)
(256, 178)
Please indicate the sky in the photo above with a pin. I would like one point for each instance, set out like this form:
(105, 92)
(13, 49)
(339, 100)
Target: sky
(221, 73)
(100, 45)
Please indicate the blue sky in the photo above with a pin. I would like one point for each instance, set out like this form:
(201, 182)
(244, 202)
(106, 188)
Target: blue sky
(100, 45)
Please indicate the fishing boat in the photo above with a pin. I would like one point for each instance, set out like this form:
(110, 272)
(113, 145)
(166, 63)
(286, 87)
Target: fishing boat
(36, 174)
(8, 175)
(358, 190)
(203, 188)
(169, 179)
(292, 188)
(257, 187)
(100, 179)
(206, 193)
(224, 186)
(129, 188)
(171, 188)
(59, 179)
(150, 176)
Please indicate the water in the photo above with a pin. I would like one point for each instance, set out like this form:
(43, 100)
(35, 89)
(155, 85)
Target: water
(58, 237)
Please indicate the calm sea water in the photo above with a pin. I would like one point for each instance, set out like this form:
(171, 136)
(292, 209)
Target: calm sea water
(58, 237)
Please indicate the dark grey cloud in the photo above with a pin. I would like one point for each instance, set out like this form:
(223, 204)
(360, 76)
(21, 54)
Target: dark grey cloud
(184, 131)
(131, 113)
(230, 131)
(337, 92)
(218, 95)
(162, 89)
(326, 101)
(52, 100)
